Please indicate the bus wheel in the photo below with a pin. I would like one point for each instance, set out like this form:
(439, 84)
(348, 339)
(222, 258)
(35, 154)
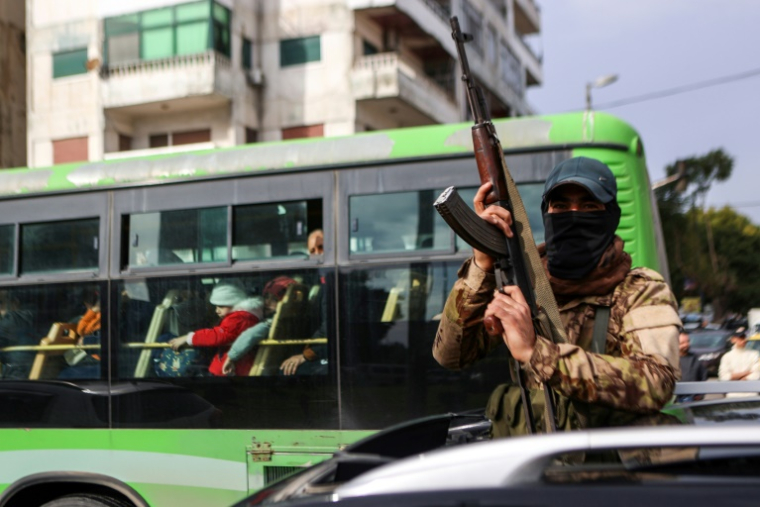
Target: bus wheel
(86, 500)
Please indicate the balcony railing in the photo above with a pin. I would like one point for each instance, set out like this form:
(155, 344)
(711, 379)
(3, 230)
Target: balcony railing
(441, 8)
(163, 64)
(388, 75)
(137, 82)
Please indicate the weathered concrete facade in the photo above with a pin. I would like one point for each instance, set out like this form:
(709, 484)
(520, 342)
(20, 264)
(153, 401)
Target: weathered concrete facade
(12, 84)
(367, 65)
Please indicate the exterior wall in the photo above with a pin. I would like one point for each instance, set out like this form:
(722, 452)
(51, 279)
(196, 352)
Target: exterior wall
(67, 107)
(12, 84)
(315, 92)
(338, 92)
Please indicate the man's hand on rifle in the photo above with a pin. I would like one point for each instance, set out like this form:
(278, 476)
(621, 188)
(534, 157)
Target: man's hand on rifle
(494, 215)
(513, 312)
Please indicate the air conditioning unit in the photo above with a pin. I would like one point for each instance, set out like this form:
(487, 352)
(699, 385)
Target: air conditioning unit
(255, 77)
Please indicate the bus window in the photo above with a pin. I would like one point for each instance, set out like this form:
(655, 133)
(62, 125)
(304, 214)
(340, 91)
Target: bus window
(177, 306)
(298, 325)
(59, 246)
(389, 317)
(51, 332)
(531, 196)
(176, 237)
(7, 249)
(265, 231)
(397, 222)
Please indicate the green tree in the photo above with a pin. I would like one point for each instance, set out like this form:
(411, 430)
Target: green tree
(713, 248)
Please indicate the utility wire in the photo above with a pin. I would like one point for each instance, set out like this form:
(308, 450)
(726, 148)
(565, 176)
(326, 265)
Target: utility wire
(680, 89)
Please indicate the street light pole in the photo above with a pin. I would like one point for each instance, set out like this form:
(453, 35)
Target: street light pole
(599, 82)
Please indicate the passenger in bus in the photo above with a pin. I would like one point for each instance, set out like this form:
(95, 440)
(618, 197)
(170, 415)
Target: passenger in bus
(237, 312)
(85, 363)
(634, 374)
(16, 328)
(313, 359)
(315, 243)
(273, 293)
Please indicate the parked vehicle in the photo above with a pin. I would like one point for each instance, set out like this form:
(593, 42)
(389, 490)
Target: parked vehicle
(522, 471)
(753, 342)
(753, 320)
(709, 346)
(692, 321)
(397, 442)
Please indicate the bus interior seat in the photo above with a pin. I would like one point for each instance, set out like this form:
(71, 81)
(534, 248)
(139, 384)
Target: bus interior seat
(290, 322)
(60, 334)
(156, 328)
(314, 292)
(391, 310)
(412, 288)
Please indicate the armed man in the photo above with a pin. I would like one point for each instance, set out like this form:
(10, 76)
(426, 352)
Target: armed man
(632, 373)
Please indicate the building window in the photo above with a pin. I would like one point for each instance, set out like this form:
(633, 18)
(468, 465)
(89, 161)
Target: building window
(179, 138)
(246, 58)
(368, 48)
(158, 140)
(491, 45)
(298, 51)
(474, 26)
(69, 63)
(191, 137)
(125, 143)
(307, 131)
(183, 29)
(510, 69)
(70, 150)
(251, 135)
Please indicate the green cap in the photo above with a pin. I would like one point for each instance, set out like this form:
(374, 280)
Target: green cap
(589, 173)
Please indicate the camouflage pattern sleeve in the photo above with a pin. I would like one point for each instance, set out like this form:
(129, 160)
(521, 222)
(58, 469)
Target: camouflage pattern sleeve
(640, 367)
(461, 338)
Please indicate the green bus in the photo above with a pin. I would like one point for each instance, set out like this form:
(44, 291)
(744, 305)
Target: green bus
(102, 263)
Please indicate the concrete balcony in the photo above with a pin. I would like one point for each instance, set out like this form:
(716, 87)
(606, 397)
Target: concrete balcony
(386, 76)
(424, 23)
(527, 17)
(132, 84)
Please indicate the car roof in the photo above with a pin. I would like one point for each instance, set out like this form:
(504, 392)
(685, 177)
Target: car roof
(522, 460)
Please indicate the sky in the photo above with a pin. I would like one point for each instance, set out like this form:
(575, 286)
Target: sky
(656, 45)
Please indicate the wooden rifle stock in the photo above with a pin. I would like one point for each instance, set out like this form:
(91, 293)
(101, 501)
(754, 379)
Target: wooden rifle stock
(512, 268)
(488, 159)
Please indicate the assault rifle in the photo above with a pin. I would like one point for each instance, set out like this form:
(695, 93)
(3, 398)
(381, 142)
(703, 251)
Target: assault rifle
(510, 266)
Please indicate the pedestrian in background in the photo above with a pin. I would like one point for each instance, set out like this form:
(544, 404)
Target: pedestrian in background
(740, 363)
(692, 369)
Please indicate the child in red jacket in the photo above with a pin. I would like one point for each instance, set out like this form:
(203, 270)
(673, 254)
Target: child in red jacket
(238, 312)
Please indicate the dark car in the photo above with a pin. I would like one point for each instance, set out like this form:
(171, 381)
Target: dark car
(709, 347)
(397, 442)
(404, 465)
(719, 466)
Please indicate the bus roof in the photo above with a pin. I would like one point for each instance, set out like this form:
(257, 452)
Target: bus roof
(516, 134)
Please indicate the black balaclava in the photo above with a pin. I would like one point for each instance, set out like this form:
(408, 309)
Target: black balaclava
(576, 240)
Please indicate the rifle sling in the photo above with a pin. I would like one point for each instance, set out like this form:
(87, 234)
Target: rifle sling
(599, 336)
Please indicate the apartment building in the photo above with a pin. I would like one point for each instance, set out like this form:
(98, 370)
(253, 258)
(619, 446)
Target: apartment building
(12, 84)
(112, 79)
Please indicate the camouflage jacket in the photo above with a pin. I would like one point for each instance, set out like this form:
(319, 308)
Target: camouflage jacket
(637, 373)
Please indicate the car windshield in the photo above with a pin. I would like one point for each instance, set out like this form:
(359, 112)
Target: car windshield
(708, 339)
